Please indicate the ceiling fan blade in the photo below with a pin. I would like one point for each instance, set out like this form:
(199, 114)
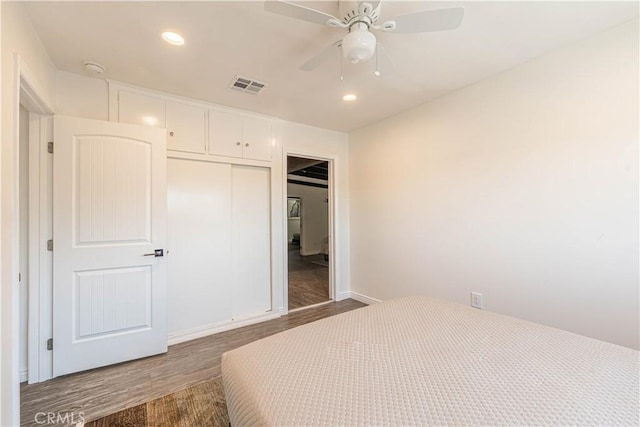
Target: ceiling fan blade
(313, 63)
(426, 21)
(384, 64)
(374, 4)
(300, 12)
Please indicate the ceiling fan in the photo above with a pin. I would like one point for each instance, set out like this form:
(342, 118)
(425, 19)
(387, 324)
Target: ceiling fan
(359, 18)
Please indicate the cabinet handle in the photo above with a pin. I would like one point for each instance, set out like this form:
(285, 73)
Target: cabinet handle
(238, 143)
(171, 133)
(246, 145)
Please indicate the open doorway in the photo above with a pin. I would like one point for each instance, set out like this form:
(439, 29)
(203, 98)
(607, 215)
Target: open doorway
(309, 251)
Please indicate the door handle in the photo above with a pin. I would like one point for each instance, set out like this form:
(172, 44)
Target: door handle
(156, 253)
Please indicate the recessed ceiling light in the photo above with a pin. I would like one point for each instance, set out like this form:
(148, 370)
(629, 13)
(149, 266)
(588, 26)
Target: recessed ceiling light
(173, 38)
(349, 97)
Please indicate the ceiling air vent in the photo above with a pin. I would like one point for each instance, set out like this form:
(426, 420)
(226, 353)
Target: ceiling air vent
(246, 85)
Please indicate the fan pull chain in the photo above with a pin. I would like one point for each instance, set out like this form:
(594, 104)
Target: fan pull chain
(341, 58)
(377, 71)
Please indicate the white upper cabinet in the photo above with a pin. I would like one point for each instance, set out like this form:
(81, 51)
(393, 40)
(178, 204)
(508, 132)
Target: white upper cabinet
(186, 126)
(139, 109)
(257, 137)
(234, 135)
(185, 123)
(231, 134)
(225, 134)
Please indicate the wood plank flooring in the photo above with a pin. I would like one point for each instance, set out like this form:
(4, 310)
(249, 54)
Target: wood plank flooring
(200, 405)
(103, 391)
(308, 279)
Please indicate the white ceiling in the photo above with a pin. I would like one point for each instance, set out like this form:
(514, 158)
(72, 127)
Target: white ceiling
(228, 38)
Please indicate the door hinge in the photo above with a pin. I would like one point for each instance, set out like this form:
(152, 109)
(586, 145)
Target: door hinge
(50, 245)
(50, 344)
(20, 277)
(50, 147)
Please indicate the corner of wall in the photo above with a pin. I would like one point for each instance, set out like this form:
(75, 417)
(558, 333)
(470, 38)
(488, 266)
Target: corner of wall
(359, 297)
(19, 40)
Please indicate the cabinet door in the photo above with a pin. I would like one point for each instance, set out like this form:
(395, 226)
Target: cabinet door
(225, 134)
(199, 262)
(141, 110)
(186, 127)
(257, 138)
(251, 248)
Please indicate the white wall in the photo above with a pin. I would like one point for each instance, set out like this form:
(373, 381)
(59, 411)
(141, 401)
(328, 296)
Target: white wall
(18, 37)
(523, 187)
(81, 96)
(293, 227)
(315, 218)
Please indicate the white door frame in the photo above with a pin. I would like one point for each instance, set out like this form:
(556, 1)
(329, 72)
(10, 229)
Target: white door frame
(333, 259)
(40, 323)
(26, 91)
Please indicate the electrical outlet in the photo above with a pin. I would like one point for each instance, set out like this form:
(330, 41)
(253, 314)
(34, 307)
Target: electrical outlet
(476, 300)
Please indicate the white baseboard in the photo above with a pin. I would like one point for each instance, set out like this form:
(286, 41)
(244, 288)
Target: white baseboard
(206, 330)
(362, 298)
(343, 295)
(310, 306)
(24, 375)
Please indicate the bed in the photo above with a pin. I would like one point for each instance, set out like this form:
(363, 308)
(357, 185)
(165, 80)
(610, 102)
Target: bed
(424, 361)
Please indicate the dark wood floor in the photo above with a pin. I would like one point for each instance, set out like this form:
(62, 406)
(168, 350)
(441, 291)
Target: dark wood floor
(100, 392)
(308, 279)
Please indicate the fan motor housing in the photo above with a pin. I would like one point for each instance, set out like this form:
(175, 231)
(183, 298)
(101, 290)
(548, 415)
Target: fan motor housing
(350, 10)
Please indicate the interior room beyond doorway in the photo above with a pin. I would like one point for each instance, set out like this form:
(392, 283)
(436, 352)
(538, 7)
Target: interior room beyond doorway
(308, 231)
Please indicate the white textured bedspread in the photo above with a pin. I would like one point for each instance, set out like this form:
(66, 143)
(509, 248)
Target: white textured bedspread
(423, 361)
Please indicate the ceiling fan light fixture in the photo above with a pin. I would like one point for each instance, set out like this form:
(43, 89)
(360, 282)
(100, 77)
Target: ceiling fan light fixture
(358, 46)
(360, 17)
(349, 97)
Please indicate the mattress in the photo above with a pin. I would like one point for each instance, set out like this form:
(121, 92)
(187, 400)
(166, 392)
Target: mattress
(424, 361)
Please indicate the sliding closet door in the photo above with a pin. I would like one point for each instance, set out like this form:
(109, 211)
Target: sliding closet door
(200, 276)
(251, 253)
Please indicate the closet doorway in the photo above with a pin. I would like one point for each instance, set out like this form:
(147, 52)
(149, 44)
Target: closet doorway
(308, 224)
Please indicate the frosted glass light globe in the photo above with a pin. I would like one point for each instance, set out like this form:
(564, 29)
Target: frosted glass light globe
(358, 46)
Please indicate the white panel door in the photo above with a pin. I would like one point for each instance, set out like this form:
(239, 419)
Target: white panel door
(251, 250)
(186, 125)
(225, 134)
(109, 210)
(142, 110)
(199, 268)
(257, 139)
